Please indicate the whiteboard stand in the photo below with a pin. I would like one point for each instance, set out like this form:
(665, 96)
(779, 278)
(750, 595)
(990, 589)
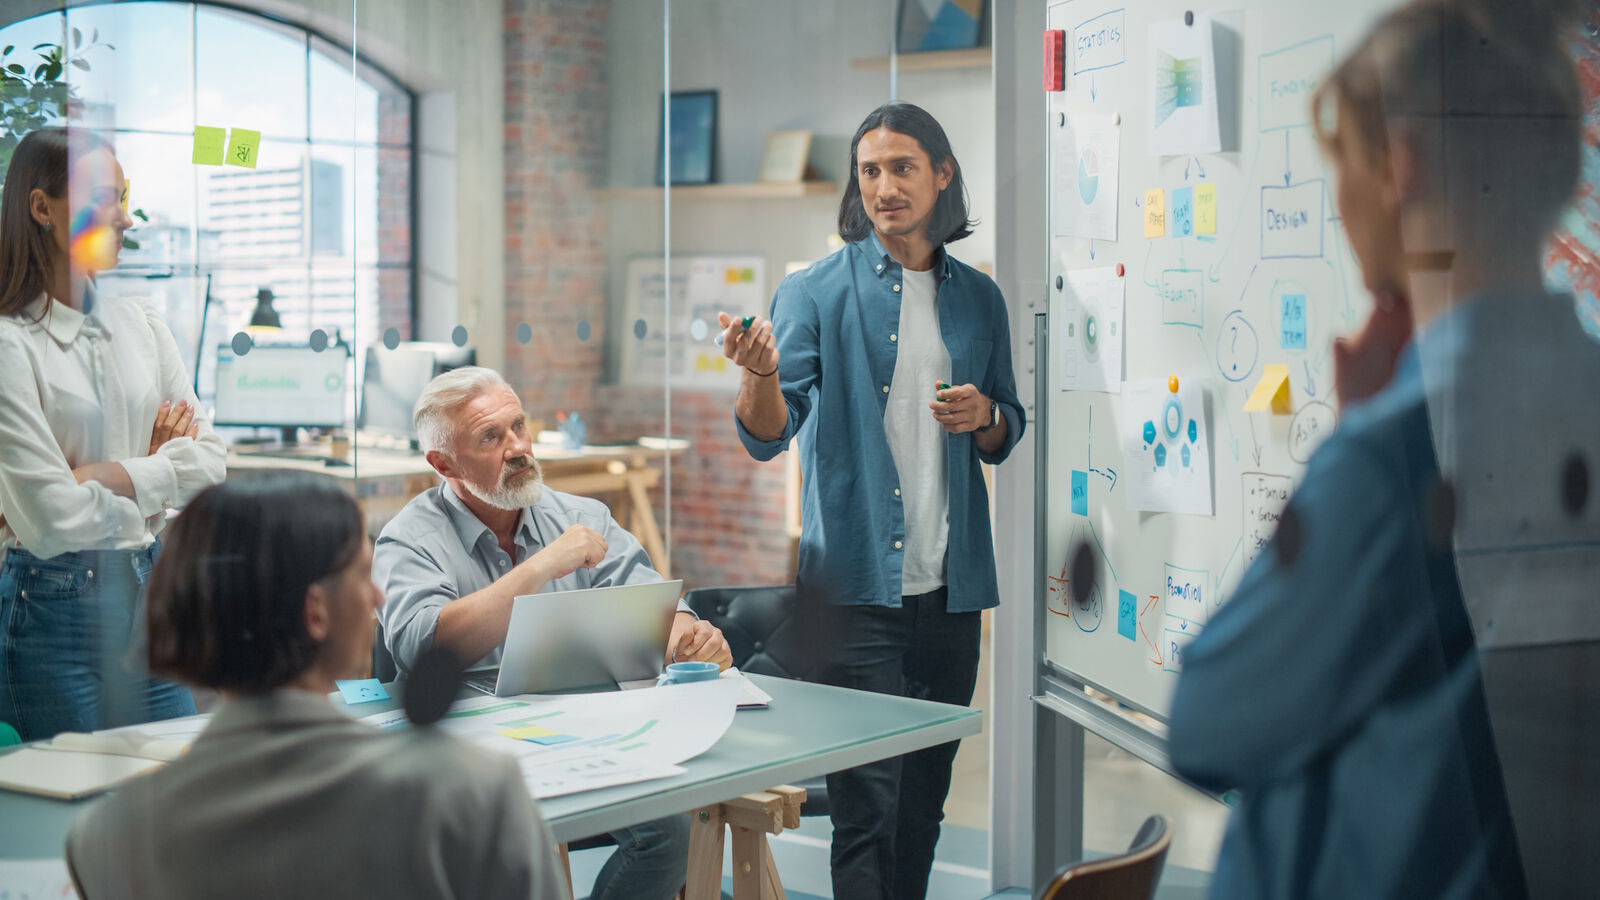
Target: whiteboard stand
(1057, 740)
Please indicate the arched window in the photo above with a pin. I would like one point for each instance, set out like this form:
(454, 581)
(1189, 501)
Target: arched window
(324, 220)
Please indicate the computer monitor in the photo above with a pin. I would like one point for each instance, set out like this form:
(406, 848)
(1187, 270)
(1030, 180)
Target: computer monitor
(394, 379)
(281, 386)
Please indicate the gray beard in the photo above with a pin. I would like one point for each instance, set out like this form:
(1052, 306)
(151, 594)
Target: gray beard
(504, 496)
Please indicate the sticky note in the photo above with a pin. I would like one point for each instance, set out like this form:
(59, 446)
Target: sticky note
(1080, 492)
(527, 733)
(1271, 392)
(1292, 322)
(1155, 213)
(550, 739)
(1127, 615)
(243, 148)
(362, 690)
(209, 144)
(747, 275)
(1182, 212)
(1205, 208)
(731, 276)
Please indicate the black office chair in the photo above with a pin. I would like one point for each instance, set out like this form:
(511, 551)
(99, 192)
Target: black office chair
(383, 667)
(1127, 876)
(759, 625)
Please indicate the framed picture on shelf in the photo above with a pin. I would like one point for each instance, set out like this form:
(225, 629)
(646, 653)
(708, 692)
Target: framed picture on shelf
(939, 25)
(784, 158)
(693, 138)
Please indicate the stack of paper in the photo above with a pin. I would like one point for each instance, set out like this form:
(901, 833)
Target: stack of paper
(74, 764)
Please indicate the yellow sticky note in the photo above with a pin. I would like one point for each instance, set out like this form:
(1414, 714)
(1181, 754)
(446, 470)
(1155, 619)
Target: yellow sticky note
(526, 732)
(208, 145)
(1155, 213)
(731, 276)
(1271, 392)
(244, 146)
(1205, 208)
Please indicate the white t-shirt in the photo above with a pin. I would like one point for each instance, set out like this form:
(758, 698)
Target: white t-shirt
(916, 441)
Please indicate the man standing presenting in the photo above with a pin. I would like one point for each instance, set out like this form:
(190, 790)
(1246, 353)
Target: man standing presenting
(896, 556)
(454, 559)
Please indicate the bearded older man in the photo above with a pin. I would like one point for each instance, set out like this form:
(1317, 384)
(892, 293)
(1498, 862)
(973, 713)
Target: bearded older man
(452, 561)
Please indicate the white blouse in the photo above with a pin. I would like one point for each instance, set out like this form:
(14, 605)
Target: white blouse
(81, 388)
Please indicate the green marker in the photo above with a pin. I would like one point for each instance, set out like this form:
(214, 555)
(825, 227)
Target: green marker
(943, 386)
(748, 321)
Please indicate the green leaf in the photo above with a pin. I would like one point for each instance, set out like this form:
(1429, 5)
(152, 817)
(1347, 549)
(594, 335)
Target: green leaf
(80, 64)
(54, 72)
(129, 243)
(96, 36)
(77, 38)
(16, 68)
(139, 214)
(9, 48)
(38, 73)
(42, 46)
(112, 46)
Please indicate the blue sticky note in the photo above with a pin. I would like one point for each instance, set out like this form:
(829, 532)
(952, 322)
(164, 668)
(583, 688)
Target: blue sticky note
(1080, 492)
(1292, 322)
(550, 740)
(1127, 617)
(363, 690)
(1181, 208)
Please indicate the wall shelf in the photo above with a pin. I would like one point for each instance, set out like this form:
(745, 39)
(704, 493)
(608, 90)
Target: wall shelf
(930, 61)
(756, 190)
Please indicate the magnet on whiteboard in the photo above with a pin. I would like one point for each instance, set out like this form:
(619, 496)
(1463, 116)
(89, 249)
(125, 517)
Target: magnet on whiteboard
(1116, 118)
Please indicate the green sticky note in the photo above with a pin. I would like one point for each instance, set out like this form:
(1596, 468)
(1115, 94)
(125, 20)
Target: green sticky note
(208, 145)
(747, 275)
(244, 146)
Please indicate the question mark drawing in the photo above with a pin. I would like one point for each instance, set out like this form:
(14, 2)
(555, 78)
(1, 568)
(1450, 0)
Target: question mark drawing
(1236, 347)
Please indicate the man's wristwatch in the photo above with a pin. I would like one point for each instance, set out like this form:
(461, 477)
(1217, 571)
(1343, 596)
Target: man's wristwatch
(994, 416)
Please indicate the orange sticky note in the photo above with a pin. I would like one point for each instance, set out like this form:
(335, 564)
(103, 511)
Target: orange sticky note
(1271, 392)
(731, 276)
(1155, 213)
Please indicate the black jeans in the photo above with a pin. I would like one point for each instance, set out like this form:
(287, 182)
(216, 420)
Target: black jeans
(886, 815)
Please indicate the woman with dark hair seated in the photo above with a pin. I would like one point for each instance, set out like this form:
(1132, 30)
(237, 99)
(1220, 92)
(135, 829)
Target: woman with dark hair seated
(264, 593)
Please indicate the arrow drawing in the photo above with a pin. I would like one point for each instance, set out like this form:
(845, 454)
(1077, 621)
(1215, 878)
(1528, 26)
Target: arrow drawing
(1311, 386)
(1255, 453)
(1286, 157)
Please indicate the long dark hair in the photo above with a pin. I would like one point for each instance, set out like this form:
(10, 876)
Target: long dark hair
(41, 161)
(949, 221)
(226, 603)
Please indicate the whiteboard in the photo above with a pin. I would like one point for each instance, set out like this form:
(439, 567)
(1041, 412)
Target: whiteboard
(702, 286)
(1273, 285)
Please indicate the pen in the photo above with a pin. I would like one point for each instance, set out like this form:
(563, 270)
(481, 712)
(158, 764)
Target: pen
(745, 322)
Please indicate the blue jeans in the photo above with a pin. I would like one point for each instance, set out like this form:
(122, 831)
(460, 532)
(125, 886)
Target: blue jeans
(72, 644)
(650, 862)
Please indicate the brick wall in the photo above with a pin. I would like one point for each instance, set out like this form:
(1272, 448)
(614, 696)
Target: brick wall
(727, 510)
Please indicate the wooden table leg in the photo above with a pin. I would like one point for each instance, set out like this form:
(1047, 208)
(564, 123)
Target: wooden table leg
(707, 832)
(566, 865)
(646, 517)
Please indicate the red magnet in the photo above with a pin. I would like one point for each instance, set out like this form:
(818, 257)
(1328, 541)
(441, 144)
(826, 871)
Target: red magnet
(1119, 270)
(1055, 74)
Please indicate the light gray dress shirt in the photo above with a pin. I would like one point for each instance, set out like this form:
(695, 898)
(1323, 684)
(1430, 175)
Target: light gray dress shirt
(286, 796)
(436, 551)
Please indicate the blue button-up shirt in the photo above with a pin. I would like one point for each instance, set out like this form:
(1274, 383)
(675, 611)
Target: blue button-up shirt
(836, 325)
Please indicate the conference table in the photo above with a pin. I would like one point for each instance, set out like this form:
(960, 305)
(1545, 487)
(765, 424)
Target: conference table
(809, 730)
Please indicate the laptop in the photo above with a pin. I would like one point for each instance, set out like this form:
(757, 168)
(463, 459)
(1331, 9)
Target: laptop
(598, 639)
